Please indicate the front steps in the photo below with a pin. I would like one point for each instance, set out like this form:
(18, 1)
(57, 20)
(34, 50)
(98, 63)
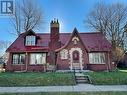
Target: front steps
(80, 78)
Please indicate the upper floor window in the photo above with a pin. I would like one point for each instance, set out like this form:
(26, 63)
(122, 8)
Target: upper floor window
(30, 40)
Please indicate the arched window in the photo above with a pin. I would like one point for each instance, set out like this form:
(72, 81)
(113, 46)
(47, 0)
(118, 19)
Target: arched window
(75, 55)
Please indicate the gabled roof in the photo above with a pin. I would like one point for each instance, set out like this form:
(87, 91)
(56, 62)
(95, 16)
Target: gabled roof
(94, 41)
(75, 32)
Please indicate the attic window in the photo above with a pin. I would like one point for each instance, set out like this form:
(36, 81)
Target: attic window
(30, 40)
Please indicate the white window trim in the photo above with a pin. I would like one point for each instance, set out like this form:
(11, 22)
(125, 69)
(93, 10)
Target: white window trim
(19, 60)
(30, 40)
(92, 60)
(34, 59)
(64, 54)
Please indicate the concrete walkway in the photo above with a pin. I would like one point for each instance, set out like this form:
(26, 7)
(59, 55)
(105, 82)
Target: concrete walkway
(77, 88)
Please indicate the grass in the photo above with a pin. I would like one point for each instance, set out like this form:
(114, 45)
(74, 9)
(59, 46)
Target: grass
(107, 78)
(36, 79)
(70, 93)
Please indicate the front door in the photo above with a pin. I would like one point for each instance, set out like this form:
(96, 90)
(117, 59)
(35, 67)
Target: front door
(76, 58)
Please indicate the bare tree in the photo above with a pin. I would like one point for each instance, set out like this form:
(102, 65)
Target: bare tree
(28, 15)
(3, 46)
(111, 20)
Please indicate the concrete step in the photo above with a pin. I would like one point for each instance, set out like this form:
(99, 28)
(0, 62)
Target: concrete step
(79, 74)
(81, 78)
(82, 81)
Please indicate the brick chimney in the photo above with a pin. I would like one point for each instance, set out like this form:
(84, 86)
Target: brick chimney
(54, 35)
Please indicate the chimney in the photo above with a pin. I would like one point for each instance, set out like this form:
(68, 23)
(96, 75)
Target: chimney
(54, 34)
(54, 30)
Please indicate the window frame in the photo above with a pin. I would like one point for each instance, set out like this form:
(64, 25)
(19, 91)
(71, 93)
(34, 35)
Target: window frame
(30, 40)
(19, 59)
(34, 60)
(64, 54)
(96, 58)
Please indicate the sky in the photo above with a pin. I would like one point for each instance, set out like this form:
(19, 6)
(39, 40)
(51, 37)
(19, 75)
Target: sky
(70, 13)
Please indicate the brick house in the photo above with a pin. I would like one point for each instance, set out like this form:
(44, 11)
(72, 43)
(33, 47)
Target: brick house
(60, 51)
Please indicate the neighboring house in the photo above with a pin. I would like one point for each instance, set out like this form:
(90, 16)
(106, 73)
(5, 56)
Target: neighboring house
(60, 51)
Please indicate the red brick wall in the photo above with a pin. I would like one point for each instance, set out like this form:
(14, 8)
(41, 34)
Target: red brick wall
(23, 67)
(64, 63)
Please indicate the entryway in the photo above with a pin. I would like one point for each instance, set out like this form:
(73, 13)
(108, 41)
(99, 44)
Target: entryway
(76, 63)
(76, 60)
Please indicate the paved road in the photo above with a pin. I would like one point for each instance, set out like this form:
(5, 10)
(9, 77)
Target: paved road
(77, 88)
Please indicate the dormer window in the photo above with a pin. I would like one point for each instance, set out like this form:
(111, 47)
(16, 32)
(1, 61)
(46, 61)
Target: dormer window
(30, 40)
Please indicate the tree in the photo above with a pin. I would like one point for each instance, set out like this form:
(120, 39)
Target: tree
(3, 46)
(111, 21)
(28, 15)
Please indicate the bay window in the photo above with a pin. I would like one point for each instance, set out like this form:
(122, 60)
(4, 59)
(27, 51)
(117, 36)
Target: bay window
(18, 58)
(96, 58)
(37, 58)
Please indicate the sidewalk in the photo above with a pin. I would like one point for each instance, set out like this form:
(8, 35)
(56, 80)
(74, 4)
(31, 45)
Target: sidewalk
(77, 88)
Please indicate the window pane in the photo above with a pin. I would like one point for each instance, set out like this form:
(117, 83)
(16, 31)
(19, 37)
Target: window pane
(96, 58)
(18, 58)
(22, 58)
(30, 40)
(32, 59)
(15, 58)
(38, 58)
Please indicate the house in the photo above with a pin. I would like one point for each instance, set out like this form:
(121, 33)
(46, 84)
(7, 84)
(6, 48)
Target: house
(60, 51)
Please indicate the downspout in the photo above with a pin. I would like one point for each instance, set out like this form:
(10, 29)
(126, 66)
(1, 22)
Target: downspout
(26, 62)
(109, 64)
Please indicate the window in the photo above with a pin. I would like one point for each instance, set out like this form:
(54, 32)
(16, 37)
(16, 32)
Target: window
(18, 58)
(96, 58)
(64, 54)
(30, 40)
(38, 58)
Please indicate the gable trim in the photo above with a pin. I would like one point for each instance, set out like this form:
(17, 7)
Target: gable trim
(74, 31)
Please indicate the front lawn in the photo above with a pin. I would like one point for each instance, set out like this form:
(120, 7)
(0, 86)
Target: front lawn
(36, 79)
(105, 78)
(71, 93)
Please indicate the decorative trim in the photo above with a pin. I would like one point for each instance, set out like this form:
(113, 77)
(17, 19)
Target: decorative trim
(80, 57)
